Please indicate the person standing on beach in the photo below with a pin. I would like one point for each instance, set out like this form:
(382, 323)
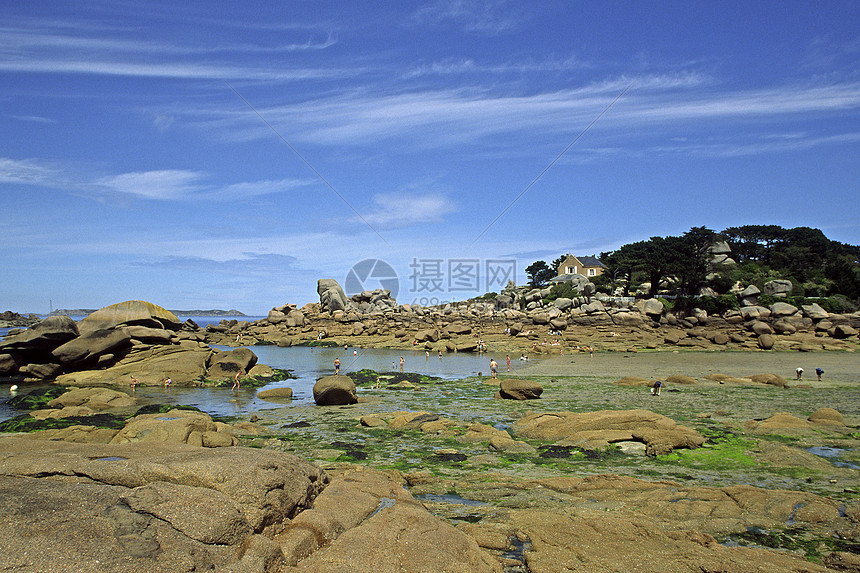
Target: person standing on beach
(236, 380)
(402, 362)
(508, 360)
(655, 389)
(134, 382)
(336, 366)
(819, 372)
(494, 368)
(799, 372)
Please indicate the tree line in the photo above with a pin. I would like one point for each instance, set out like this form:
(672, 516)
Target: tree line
(815, 265)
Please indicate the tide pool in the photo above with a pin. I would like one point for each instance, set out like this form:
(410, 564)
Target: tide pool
(307, 364)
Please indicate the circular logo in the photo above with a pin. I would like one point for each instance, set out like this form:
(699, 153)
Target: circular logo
(371, 274)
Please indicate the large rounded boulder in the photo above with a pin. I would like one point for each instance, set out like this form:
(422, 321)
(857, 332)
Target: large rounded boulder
(516, 389)
(226, 364)
(335, 391)
(128, 313)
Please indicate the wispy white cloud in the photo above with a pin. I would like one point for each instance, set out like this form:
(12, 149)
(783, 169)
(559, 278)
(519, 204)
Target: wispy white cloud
(27, 172)
(445, 117)
(462, 66)
(163, 185)
(175, 70)
(32, 118)
(476, 16)
(762, 103)
(250, 189)
(767, 144)
(39, 50)
(158, 185)
(23, 41)
(825, 54)
(404, 209)
(185, 185)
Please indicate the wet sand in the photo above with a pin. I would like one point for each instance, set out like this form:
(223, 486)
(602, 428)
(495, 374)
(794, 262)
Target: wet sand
(840, 368)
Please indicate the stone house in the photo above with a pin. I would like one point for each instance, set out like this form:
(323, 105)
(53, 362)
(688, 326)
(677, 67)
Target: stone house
(586, 266)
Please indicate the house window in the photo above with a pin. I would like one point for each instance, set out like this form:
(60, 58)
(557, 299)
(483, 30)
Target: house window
(592, 272)
(571, 270)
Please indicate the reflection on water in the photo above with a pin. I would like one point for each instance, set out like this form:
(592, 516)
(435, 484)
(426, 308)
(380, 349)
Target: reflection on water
(308, 364)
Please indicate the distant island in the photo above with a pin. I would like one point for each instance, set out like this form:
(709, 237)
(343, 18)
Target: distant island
(89, 311)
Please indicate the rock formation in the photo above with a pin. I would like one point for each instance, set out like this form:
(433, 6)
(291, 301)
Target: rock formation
(335, 391)
(154, 507)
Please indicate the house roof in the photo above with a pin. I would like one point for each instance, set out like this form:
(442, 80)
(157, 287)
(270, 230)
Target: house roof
(590, 262)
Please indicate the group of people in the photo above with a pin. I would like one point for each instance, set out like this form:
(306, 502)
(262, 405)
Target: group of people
(799, 373)
(134, 382)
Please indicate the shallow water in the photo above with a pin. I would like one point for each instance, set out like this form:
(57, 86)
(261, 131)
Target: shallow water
(833, 455)
(308, 364)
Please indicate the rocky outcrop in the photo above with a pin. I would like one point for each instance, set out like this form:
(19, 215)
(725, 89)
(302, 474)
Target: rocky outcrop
(176, 427)
(134, 338)
(517, 389)
(96, 399)
(225, 365)
(331, 294)
(639, 542)
(159, 507)
(129, 313)
(150, 365)
(335, 391)
(779, 288)
(9, 319)
(44, 336)
(87, 348)
(276, 394)
(822, 420)
(366, 521)
(518, 318)
(591, 430)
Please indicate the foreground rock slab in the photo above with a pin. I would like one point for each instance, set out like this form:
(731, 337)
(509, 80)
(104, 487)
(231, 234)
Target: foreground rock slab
(579, 543)
(146, 507)
(367, 521)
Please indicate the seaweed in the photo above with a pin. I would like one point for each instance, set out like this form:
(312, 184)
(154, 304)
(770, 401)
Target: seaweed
(26, 423)
(368, 376)
(559, 452)
(795, 539)
(162, 409)
(352, 452)
(36, 399)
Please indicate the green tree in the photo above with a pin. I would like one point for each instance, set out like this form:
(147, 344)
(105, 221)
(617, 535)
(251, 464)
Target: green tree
(654, 257)
(753, 242)
(539, 273)
(692, 258)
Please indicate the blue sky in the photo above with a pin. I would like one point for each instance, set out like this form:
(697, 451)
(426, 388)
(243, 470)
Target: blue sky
(227, 155)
